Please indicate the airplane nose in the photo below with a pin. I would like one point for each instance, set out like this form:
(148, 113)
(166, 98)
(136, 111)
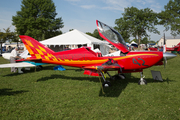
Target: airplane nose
(168, 55)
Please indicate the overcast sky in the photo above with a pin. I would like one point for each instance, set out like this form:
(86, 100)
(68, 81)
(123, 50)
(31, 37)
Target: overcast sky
(82, 14)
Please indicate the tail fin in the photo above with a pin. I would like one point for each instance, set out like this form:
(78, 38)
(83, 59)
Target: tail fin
(35, 48)
(178, 47)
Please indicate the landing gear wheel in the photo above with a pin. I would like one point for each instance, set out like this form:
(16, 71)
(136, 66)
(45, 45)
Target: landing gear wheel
(122, 76)
(106, 84)
(142, 82)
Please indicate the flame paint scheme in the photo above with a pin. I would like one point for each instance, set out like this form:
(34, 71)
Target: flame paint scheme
(88, 60)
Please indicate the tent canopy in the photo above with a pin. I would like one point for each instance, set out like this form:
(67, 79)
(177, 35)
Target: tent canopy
(73, 37)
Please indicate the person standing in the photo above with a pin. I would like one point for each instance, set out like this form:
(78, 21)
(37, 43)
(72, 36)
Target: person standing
(13, 58)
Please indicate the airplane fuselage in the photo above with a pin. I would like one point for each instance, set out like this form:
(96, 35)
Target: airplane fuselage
(133, 61)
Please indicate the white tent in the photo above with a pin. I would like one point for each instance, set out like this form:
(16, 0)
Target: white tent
(133, 42)
(76, 37)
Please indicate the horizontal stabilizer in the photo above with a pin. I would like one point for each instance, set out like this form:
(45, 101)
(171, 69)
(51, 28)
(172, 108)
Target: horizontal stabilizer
(30, 59)
(22, 64)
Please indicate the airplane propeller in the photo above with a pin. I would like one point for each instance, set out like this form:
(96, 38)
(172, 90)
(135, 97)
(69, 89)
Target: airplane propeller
(164, 51)
(166, 55)
(165, 62)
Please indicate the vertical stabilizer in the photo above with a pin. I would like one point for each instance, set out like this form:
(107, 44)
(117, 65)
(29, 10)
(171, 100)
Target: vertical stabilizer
(36, 49)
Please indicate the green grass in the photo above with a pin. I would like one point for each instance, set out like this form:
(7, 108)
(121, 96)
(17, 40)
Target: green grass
(49, 94)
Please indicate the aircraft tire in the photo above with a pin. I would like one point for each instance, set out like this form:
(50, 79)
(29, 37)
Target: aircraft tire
(117, 77)
(122, 76)
(106, 84)
(144, 82)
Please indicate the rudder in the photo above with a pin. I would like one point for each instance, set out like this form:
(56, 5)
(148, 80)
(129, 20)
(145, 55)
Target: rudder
(35, 48)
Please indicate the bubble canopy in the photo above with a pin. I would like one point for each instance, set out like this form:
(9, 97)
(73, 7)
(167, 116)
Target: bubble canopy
(112, 36)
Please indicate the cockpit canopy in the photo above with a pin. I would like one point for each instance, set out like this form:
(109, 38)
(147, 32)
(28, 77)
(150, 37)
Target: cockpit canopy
(112, 36)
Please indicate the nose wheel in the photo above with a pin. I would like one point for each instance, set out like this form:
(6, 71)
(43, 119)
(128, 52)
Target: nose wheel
(105, 83)
(142, 81)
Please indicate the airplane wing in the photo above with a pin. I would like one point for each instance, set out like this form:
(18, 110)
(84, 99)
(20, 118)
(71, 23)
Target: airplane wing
(103, 67)
(93, 70)
(22, 64)
(110, 65)
(107, 66)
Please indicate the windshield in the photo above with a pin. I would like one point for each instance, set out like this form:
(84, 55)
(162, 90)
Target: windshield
(110, 33)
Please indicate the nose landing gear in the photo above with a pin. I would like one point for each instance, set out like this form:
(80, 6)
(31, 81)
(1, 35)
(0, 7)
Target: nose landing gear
(142, 81)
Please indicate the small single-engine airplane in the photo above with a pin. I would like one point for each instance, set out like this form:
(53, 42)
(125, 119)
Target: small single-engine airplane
(175, 48)
(21, 63)
(94, 64)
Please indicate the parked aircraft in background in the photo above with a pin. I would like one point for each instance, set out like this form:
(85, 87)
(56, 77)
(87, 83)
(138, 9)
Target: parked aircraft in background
(175, 48)
(21, 63)
(93, 64)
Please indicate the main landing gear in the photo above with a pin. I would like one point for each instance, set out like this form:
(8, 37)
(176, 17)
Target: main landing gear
(142, 81)
(107, 83)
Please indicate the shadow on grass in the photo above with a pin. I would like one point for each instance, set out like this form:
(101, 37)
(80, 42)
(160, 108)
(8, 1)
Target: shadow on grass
(115, 90)
(168, 80)
(32, 70)
(78, 70)
(94, 79)
(119, 85)
(9, 92)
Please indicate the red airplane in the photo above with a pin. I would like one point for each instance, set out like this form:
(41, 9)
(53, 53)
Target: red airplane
(175, 48)
(94, 64)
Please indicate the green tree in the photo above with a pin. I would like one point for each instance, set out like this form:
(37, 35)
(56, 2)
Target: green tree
(95, 34)
(138, 22)
(122, 28)
(144, 40)
(88, 33)
(152, 41)
(170, 18)
(37, 19)
(7, 35)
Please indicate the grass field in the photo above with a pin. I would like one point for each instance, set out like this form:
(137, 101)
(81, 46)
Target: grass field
(49, 94)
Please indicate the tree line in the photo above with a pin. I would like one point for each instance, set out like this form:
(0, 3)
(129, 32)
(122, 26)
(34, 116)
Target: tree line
(136, 22)
(37, 19)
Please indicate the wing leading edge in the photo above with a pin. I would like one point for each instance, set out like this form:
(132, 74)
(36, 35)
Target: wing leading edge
(22, 64)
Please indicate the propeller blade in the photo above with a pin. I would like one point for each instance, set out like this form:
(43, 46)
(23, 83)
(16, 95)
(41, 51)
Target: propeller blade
(165, 62)
(164, 46)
